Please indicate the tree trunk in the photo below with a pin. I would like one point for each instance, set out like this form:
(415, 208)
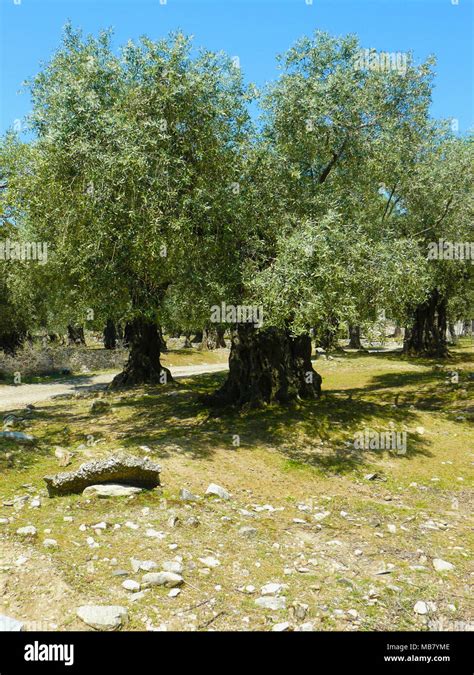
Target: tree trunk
(453, 338)
(354, 337)
(110, 335)
(198, 337)
(212, 338)
(426, 336)
(397, 333)
(266, 366)
(143, 365)
(76, 335)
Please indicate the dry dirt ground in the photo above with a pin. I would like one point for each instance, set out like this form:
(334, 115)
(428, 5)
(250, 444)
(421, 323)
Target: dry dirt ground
(346, 550)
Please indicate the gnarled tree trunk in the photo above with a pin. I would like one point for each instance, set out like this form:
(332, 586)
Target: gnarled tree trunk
(426, 336)
(110, 335)
(268, 365)
(143, 365)
(212, 338)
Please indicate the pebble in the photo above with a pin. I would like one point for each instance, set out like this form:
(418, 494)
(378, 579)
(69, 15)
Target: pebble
(131, 585)
(50, 543)
(210, 561)
(271, 589)
(27, 531)
(442, 565)
(103, 617)
(168, 579)
(272, 603)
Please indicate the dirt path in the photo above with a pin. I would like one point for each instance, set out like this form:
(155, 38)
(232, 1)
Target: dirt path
(17, 396)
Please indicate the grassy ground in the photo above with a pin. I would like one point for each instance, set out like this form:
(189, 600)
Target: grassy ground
(357, 552)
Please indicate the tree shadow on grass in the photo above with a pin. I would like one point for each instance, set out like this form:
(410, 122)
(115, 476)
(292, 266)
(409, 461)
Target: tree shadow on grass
(173, 420)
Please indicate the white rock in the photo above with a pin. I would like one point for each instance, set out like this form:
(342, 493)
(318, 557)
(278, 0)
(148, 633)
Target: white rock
(50, 543)
(168, 579)
(174, 592)
(103, 617)
(210, 561)
(272, 603)
(422, 607)
(28, 531)
(154, 534)
(9, 625)
(144, 565)
(111, 490)
(392, 528)
(187, 496)
(281, 627)
(131, 526)
(217, 490)
(131, 585)
(442, 565)
(172, 566)
(100, 526)
(271, 589)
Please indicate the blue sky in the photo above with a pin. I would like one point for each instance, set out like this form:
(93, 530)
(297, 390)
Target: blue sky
(253, 30)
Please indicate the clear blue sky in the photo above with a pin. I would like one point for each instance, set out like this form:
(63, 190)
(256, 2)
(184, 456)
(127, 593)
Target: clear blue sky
(253, 30)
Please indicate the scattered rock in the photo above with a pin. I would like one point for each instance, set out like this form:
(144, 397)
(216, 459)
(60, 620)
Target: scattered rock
(174, 593)
(271, 589)
(442, 565)
(9, 625)
(103, 617)
(111, 490)
(168, 579)
(217, 490)
(273, 603)
(187, 496)
(50, 543)
(28, 532)
(210, 561)
(281, 627)
(422, 607)
(132, 471)
(131, 585)
(172, 566)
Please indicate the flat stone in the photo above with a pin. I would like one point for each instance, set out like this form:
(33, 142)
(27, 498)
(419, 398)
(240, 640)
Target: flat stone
(210, 561)
(271, 589)
(217, 490)
(111, 490)
(268, 602)
(27, 531)
(131, 585)
(50, 543)
(126, 470)
(103, 617)
(442, 565)
(167, 579)
(172, 566)
(9, 625)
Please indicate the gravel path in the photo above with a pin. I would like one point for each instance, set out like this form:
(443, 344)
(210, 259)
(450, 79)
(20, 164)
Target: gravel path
(18, 396)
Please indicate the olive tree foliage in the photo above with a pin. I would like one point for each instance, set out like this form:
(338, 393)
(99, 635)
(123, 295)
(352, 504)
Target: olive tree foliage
(437, 213)
(330, 126)
(131, 171)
